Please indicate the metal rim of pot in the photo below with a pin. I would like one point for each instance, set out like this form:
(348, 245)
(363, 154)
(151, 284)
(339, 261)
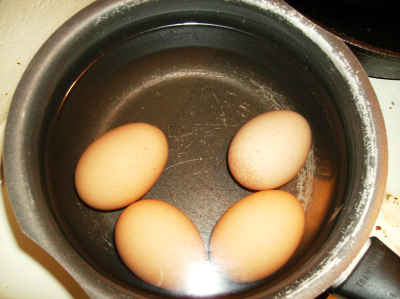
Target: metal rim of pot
(85, 34)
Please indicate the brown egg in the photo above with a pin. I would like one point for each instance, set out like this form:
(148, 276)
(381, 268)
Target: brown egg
(269, 150)
(159, 244)
(121, 166)
(257, 235)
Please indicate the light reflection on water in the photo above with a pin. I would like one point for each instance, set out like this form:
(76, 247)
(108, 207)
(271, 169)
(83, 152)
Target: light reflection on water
(204, 280)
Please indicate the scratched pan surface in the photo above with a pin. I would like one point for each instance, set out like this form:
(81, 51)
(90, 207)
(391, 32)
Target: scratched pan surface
(199, 84)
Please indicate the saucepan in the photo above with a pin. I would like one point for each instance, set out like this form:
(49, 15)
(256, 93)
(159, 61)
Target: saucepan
(198, 70)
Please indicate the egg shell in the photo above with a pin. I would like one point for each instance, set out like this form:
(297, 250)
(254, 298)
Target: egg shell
(270, 150)
(121, 166)
(159, 244)
(257, 235)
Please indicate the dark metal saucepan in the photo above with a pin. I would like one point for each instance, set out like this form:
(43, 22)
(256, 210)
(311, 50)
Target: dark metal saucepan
(198, 70)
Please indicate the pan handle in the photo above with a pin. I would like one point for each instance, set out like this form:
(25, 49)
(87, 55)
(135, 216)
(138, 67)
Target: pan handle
(376, 275)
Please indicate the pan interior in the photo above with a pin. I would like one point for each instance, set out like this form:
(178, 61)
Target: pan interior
(199, 84)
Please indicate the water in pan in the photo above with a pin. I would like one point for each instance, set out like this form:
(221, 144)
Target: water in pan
(199, 98)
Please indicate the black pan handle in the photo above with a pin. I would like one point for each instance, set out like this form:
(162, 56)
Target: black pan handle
(377, 275)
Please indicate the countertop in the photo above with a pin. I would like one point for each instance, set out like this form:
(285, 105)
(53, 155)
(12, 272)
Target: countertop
(26, 270)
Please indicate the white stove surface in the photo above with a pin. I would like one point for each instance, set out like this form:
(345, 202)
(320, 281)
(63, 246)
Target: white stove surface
(26, 270)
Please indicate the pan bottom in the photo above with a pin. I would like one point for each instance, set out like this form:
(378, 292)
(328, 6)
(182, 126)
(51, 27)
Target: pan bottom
(199, 96)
